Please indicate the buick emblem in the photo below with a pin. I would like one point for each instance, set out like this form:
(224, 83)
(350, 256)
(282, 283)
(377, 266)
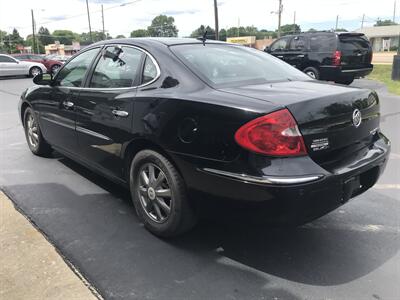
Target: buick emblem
(356, 118)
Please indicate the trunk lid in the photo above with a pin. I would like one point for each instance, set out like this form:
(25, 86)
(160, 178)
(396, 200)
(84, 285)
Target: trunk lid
(324, 114)
(355, 49)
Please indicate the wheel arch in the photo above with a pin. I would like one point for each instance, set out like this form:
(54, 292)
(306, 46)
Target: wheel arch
(139, 144)
(24, 106)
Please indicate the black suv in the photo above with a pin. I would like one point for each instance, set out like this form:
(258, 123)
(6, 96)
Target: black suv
(333, 56)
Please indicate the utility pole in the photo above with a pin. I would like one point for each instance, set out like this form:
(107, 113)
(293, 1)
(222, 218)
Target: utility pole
(238, 31)
(216, 20)
(294, 22)
(337, 22)
(394, 12)
(88, 15)
(362, 21)
(33, 33)
(280, 17)
(102, 21)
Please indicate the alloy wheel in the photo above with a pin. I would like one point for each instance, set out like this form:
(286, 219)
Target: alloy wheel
(32, 131)
(311, 74)
(154, 193)
(35, 71)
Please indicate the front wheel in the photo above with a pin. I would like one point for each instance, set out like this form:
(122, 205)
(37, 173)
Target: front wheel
(159, 195)
(33, 135)
(55, 68)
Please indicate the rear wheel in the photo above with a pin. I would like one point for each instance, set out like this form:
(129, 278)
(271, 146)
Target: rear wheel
(312, 72)
(33, 135)
(34, 71)
(346, 81)
(159, 195)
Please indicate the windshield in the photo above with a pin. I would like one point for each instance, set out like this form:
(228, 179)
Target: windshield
(226, 65)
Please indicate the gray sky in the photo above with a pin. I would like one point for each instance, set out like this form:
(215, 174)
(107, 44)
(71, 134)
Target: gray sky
(190, 14)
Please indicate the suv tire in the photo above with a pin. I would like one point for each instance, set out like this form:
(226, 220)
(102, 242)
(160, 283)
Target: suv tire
(312, 72)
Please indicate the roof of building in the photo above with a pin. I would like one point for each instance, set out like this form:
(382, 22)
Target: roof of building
(380, 31)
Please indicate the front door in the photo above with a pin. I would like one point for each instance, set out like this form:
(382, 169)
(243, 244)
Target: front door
(10, 66)
(105, 108)
(280, 48)
(57, 112)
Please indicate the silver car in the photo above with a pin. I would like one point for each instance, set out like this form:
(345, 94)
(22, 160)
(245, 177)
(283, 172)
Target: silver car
(9, 66)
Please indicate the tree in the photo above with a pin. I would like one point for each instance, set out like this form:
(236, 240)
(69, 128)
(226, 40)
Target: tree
(85, 38)
(38, 46)
(163, 26)
(44, 36)
(312, 30)
(3, 44)
(341, 30)
(139, 33)
(120, 36)
(380, 22)
(199, 32)
(65, 36)
(290, 29)
(222, 35)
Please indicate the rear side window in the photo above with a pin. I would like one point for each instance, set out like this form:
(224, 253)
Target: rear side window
(352, 43)
(6, 59)
(118, 67)
(21, 57)
(298, 43)
(149, 70)
(323, 42)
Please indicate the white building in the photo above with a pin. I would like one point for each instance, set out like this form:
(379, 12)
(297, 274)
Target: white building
(382, 38)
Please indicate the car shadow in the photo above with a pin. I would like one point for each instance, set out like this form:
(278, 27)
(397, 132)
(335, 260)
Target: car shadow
(101, 235)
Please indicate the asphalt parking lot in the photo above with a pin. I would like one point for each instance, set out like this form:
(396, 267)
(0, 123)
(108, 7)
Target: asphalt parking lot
(352, 253)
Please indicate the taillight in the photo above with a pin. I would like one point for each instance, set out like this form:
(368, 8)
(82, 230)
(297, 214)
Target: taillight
(337, 56)
(275, 134)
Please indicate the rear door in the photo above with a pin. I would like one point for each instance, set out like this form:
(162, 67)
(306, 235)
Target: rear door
(356, 51)
(105, 108)
(297, 55)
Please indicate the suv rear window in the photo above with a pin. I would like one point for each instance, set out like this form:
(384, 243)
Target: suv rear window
(351, 43)
(323, 42)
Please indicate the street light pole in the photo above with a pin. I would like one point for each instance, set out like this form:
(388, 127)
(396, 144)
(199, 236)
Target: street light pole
(102, 21)
(33, 32)
(88, 15)
(216, 20)
(279, 18)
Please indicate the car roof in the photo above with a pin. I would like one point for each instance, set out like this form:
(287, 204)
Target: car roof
(168, 41)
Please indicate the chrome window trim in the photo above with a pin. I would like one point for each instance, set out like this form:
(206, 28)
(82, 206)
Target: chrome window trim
(123, 88)
(266, 179)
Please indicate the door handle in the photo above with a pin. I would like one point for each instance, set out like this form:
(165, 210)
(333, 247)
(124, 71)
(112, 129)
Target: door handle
(68, 104)
(120, 113)
(280, 56)
(300, 55)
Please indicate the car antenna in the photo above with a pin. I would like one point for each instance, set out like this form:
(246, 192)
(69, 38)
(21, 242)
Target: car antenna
(203, 38)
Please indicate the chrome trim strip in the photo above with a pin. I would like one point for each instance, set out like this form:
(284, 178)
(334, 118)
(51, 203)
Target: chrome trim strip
(92, 133)
(57, 122)
(356, 70)
(266, 179)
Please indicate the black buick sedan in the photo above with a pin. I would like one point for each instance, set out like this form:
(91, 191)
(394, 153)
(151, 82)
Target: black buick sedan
(174, 119)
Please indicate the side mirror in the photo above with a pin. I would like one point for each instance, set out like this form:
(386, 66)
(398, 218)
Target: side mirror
(267, 49)
(43, 79)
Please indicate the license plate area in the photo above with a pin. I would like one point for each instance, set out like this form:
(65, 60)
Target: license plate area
(358, 184)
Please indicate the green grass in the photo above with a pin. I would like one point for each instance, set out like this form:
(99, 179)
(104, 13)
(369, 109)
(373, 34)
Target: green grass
(383, 74)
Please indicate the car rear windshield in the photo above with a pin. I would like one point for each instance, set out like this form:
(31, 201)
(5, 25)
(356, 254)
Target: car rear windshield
(227, 65)
(323, 42)
(351, 42)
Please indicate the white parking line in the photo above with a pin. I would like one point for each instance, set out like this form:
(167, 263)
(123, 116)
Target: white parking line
(386, 186)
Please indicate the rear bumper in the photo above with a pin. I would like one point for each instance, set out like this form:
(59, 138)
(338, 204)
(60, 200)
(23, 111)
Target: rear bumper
(337, 72)
(309, 192)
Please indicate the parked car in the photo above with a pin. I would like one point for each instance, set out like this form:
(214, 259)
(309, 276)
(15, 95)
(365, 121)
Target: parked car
(60, 58)
(9, 66)
(181, 119)
(339, 57)
(52, 65)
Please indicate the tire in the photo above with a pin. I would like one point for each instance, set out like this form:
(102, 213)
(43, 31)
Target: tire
(312, 72)
(162, 222)
(346, 81)
(55, 68)
(33, 135)
(34, 71)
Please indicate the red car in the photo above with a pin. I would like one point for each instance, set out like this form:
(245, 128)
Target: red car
(51, 65)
